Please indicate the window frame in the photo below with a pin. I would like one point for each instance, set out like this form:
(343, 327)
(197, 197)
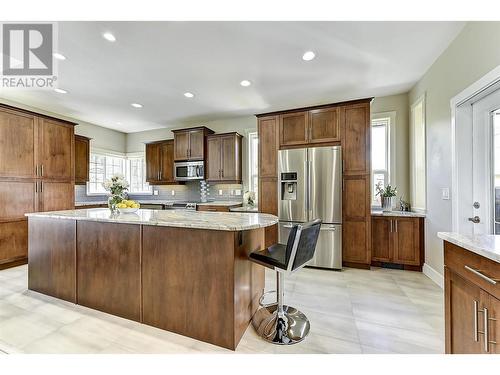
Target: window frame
(253, 157)
(413, 171)
(125, 169)
(391, 176)
(136, 156)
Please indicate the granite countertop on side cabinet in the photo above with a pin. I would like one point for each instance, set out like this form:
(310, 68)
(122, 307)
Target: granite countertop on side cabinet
(397, 213)
(486, 245)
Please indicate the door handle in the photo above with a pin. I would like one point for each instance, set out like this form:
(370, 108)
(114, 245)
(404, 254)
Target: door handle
(289, 226)
(475, 219)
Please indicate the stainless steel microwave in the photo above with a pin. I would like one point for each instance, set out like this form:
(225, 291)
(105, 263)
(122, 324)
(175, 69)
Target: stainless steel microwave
(189, 170)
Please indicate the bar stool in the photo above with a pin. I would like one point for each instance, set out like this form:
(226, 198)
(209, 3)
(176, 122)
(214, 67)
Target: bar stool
(277, 322)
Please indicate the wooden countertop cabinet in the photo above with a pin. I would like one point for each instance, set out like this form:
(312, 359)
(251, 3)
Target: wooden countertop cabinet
(82, 159)
(398, 240)
(471, 302)
(224, 158)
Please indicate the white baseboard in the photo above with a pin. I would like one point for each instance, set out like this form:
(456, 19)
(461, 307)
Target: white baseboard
(434, 275)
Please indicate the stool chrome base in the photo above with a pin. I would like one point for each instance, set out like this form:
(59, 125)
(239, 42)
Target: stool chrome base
(285, 327)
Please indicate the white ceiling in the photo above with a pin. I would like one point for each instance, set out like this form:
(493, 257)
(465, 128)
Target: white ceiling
(154, 63)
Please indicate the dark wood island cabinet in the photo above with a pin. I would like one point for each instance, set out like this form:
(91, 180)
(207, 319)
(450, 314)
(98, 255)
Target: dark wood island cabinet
(185, 272)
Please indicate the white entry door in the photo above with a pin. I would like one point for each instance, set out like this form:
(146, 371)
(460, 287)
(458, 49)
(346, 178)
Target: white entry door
(485, 163)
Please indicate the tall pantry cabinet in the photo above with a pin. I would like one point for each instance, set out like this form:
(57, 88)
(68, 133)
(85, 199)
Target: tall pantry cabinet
(36, 174)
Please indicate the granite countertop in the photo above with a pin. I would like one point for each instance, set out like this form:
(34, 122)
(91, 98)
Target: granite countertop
(220, 203)
(486, 245)
(169, 218)
(244, 209)
(397, 213)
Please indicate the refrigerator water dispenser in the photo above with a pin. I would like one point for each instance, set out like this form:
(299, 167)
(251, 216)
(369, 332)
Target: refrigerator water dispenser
(289, 186)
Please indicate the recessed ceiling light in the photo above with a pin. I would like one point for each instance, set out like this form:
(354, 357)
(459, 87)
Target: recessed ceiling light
(109, 37)
(245, 83)
(189, 95)
(59, 56)
(308, 56)
(136, 105)
(60, 91)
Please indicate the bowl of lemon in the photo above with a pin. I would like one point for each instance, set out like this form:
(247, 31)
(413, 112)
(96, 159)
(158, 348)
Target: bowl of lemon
(127, 206)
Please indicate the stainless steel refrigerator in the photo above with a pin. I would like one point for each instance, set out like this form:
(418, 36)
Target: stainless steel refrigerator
(310, 187)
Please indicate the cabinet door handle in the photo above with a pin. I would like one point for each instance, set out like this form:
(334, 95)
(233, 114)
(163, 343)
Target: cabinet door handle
(486, 331)
(482, 276)
(476, 330)
(391, 225)
(222, 172)
(396, 221)
(36, 186)
(41, 187)
(41, 170)
(36, 170)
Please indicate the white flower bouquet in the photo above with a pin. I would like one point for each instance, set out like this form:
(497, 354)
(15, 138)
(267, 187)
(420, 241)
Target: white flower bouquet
(117, 186)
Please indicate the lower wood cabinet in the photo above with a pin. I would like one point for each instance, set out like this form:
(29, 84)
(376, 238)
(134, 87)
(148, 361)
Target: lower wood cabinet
(398, 240)
(216, 208)
(472, 304)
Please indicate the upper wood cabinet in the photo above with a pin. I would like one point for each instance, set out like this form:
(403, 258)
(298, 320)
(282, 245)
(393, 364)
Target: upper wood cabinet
(398, 240)
(56, 149)
(293, 128)
(324, 125)
(82, 159)
(356, 144)
(224, 158)
(307, 128)
(18, 138)
(160, 162)
(167, 161)
(55, 196)
(190, 144)
(268, 130)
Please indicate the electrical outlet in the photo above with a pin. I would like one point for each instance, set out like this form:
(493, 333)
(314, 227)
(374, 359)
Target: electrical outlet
(155, 192)
(220, 192)
(173, 192)
(232, 192)
(238, 192)
(445, 193)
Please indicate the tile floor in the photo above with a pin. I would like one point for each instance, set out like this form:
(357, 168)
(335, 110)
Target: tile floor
(354, 311)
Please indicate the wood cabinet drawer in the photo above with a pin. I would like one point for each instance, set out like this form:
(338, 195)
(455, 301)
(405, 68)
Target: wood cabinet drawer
(213, 208)
(464, 263)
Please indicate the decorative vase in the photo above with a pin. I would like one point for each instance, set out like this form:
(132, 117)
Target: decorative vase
(113, 200)
(386, 204)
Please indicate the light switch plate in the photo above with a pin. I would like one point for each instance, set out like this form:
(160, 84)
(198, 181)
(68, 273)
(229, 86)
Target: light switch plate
(155, 192)
(220, 192)
(445, 193)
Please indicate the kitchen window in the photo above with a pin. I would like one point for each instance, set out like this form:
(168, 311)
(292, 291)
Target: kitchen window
(253, 163)
(382, 157)
(418, 155)
(104, 165)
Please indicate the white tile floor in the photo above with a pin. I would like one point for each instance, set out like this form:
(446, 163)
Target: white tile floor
(354, 311)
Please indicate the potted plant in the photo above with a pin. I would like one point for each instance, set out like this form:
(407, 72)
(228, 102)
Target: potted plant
(117, 187)
(386, 196)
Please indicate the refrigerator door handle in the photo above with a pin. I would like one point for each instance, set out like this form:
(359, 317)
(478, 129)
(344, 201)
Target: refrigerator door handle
(309, 187)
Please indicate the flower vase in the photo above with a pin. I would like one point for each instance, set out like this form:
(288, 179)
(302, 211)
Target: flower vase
(386, 204)
(113, 200)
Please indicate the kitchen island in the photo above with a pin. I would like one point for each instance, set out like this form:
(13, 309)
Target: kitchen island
(183, 271)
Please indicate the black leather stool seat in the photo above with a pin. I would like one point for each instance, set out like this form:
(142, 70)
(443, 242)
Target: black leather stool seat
(274, 256)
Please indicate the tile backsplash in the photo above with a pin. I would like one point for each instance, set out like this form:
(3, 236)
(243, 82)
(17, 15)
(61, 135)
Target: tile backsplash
(190, 191)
